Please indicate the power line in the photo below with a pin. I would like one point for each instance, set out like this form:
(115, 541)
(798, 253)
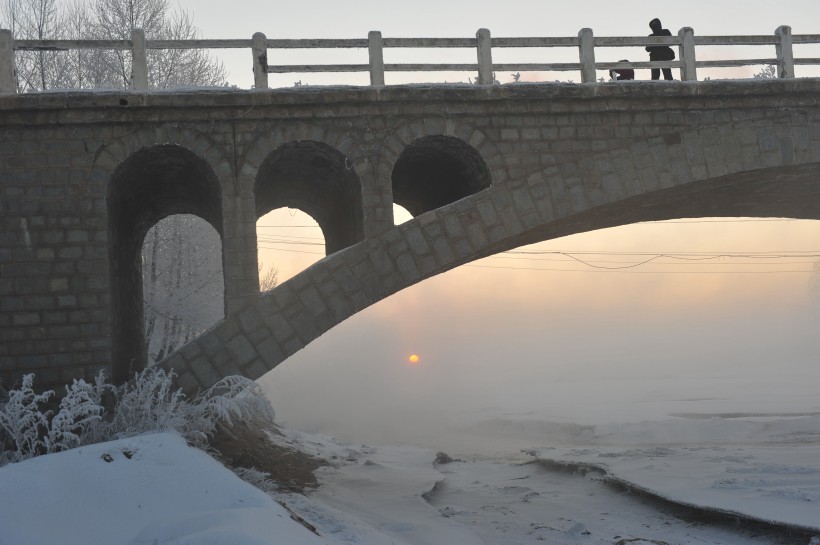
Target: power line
(653, 258)
(292, 251)
(687, 262)
(769, 253)
(287, 227)
(605, 270)
(294, 237)
(293, 242)
(738, 220)
(606, 261)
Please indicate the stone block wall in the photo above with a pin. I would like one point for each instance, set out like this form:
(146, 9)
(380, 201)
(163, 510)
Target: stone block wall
(53, 253)
(560, 158)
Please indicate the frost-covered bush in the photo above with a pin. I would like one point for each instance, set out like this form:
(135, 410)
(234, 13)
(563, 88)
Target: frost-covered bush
(148, 403)
(22, 424)
(79, 420)
(232, 398)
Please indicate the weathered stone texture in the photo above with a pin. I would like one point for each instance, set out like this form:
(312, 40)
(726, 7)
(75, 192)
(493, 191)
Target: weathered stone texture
(561, 159)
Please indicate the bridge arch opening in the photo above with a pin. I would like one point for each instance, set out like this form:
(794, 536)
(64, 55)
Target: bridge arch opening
(183, 286)
(318, 180)
(288, 242)
(150, 185)
(400, 214)
(437, 170)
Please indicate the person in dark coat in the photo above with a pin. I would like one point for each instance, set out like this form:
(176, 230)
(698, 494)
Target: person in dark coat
(620, 74)
(660, 52)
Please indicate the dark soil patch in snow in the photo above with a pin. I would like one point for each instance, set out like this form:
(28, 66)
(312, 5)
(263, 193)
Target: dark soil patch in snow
(247, 445)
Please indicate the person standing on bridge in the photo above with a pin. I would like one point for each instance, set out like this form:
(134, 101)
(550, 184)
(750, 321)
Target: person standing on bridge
(660, 52)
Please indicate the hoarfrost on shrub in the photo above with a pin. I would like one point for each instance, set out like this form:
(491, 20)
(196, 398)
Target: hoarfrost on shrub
(22, 424)
(148, 403)
(80, 415)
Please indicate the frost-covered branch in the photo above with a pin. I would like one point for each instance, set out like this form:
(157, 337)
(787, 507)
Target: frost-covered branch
(22, 423)
(148, 403)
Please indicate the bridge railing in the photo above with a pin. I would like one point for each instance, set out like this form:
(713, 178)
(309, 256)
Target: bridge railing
(484, 44)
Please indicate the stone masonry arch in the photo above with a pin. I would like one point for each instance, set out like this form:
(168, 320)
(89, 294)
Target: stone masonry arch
(428, 130)
(318, 180)
(766, 166)
(300, 310)
(748, 158)
(272, 138)
(437, 170)
(152, 183)
(561, 158)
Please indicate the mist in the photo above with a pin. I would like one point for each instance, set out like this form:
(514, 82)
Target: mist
(514, 359)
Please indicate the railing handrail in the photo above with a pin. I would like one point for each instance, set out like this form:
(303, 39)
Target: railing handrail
(417, 43)
(483, 43)
(351, 43)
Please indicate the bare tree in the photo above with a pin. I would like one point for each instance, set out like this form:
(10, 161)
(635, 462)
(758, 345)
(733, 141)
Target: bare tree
(10, 15)
(182, 67)
(36, 20)
(105, 20)
(183, 289)
(114, 20)
(42, 20)
(182, 272)
(84, 66)
(268, 278)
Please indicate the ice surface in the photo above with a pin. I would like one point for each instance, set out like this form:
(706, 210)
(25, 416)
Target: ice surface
(155, 489)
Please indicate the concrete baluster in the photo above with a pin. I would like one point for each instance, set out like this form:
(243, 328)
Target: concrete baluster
(7, 80)
(785, 56)
(485, 57)
(139, 61)
(586, 51)
(686, 54)
(375, 50)
(259, 48)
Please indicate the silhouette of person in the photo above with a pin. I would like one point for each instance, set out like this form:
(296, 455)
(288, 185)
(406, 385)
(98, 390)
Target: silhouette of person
(620, 74)
(660, 52)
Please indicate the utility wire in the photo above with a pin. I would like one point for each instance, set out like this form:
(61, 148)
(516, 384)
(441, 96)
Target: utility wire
(607, 270)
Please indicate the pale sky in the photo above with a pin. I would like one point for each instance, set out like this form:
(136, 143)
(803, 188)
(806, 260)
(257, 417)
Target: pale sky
(462, 18)
(509, 333)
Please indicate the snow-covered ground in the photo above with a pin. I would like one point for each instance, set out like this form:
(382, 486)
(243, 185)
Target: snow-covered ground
(153, 489)
(144, 490)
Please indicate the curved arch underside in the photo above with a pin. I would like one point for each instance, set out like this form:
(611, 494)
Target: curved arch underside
(282, 322)
(788, 192)
(435, 171)
(150, 185)
(319, 181)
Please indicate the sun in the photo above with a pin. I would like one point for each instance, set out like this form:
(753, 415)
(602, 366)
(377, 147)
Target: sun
(414, 358)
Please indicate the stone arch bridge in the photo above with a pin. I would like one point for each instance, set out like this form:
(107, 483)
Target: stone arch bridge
(483, 169)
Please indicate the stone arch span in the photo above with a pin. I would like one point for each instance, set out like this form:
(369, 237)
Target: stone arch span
(255, 340)
(433, 171)
(318, 180)
(786, 191)
(149, 185)
(746, 166)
